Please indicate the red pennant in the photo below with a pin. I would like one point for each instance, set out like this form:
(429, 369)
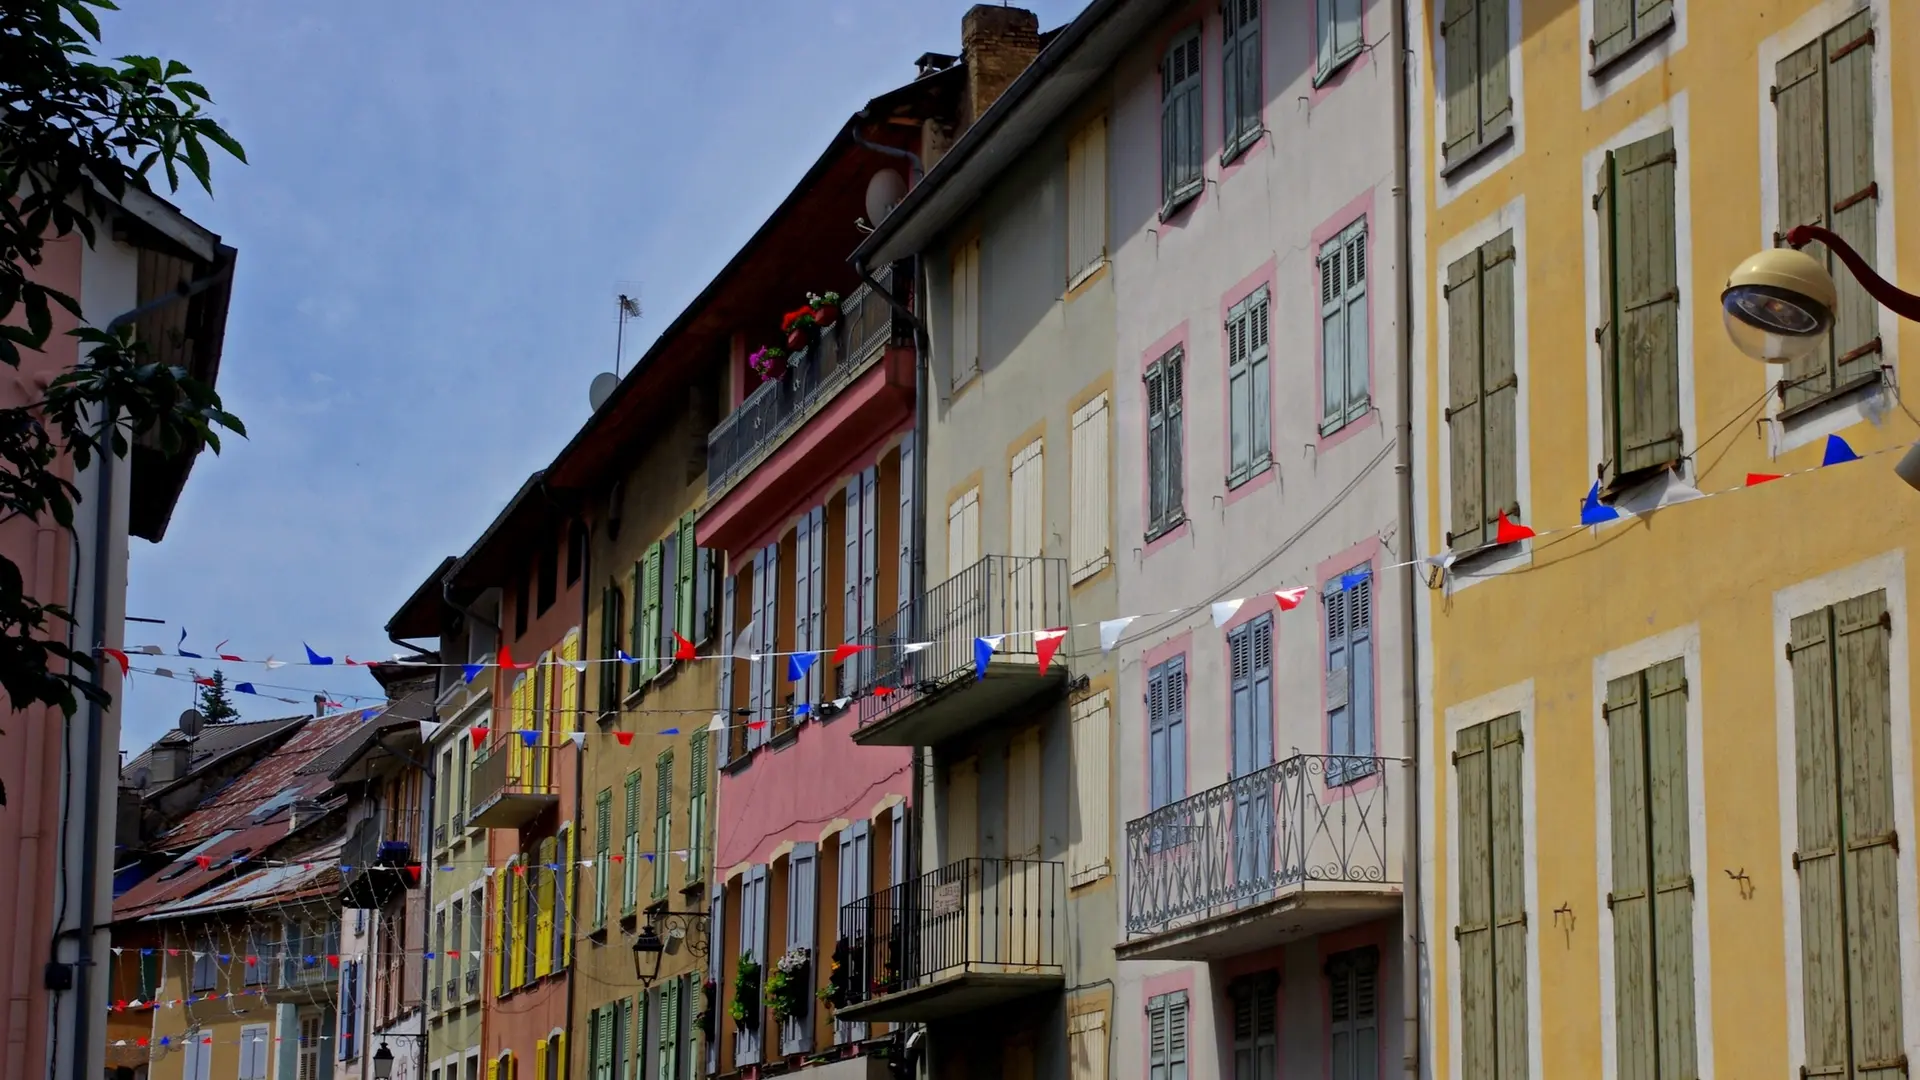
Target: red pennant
(521, 870)
(756, 724)
(211, 997)
(118, 658)
(1755, 479)
(141, 1041)
(1510, 533)
(840, 654)
(253, 959)
(120, 1003)
(203, 682)
(208, 1040)
(414, 873)
(624, 738)
(506, 660)
(682, 648)
(619, 858)
(235, 659)
(306, 866)
(479, 733)
(173, 952)
(1290, 598)
(882, 691)
(1046, 643)
(453, 953)
(205, 861)
(333, 959)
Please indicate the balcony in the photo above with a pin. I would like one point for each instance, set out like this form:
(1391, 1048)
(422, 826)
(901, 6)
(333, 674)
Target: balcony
(968, 936)
(938, 693)
(1301, 847)
(512, 784)
(306, 973)
(814, 375)
(373, 869)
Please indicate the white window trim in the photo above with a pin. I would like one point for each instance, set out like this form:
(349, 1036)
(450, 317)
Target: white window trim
(1511, 217)
(1889, 572)
(1511, 699)
(1832, 417)
(1595, 89)
(1683, 643)
(1671, 113)
(1450, 186)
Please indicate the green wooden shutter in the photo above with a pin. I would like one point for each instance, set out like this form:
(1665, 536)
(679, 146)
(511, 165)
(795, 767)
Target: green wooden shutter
(1870, 844)
(662, 822)
(1648, 297)
(687, 554)
(647, 647)
(1669, 832)
(1460, 31)
(1630, 900)
(1612, 31)
(1499, 385)
(602, 847)
(1816, 857)
(1496, 87)
(1607, 335)
(1505, 795)
(1800, 115)
(637, 634)
(1852, 196)
(669, 1057)
(696, 805)
(630, 847)
(1465, 443)
(1474, 931)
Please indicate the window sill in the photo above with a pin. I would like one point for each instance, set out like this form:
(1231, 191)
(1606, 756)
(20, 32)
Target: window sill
(1815, 408)
(1166, 529)
(1355, 413)
(1086, 274)
(1601, 70)
(1253, 472)
(1334, 67)
(1489, 146)
(1247, 140)
(1181, 200)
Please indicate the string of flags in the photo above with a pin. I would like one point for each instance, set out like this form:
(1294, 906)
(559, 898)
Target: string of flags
(413, 870)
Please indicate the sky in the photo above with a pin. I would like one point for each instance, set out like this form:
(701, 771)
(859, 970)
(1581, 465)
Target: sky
(441, 202)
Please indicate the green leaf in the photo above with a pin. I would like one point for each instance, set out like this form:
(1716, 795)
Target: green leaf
(223, 140)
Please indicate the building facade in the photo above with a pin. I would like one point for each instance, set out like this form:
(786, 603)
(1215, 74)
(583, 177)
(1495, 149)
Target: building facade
(1668, 754)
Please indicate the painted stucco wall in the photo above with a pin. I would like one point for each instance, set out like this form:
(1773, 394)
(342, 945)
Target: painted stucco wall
(1713, 583)
(458, 867)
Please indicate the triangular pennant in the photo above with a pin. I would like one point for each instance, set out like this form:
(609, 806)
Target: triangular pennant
(718, 724)
(1595, 512)
(1291, 598)
(1223, 611)
(1111, 629)
(799, 664)
(271, 663)
(983, 650)
(205, 861)
(1664, 490)
(1046, 643)
(840, 702)
(682, 648)
(912, 647)
(579, 739)
(1755, 479)
(624, 738)
(479, 734)
(181, 648)
(756, 724)
(1838, 452)
(315, 658)
(803, 709)
(842, 652)
(470, 672)
(1508, 531)
(621, 655)
(1353, 578)
(119, 658)
(668, 731)
(579, 666)
(527, 735)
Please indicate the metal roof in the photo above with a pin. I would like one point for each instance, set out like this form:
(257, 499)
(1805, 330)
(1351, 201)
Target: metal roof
(267, 885)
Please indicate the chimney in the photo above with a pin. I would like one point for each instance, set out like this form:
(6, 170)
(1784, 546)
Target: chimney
(319, 704)
(997, 44)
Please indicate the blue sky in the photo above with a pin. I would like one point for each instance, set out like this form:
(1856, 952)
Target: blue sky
(442, 201)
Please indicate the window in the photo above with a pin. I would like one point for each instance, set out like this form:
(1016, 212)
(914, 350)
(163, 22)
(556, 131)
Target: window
(663, 644)
(1479, 99)
(522, 603)
(662, 822)
(860, 602)
(1254, 1000)
(504, 922)
(1180, 178)
(206, 970)
(1619, 25)
(350, 1004)
(966, 311)
(1483, 395)
(1091, 545)
(1088, 854)
(685, 606)
(646, 615)
(1492, 926)
(1027, 524)
(307, 1059)
(1167, 731)
(456, 934)
(1338, 25)
(1349, 603)
(753, 943)
(963, 532)
(809, 600)
(549, 574)
(1087, 1046)
(1639, 333)
(1344, 334)
(150, 973)
(1248, 389)
(198, 1064)
(612, 624)
(1167, 1036)
(1166, 437)
(630, 849)
(1240, 61)
(1250, 662)
(437, 963)
(769, 670)
(1651, 901)
(697, 804)
(1086, 201)
(602, 848)
(476, 938)
(1823, 102)
(576, 552)
(1353, 1010)
(1846, 847)
(537, 914)
(253, 1052)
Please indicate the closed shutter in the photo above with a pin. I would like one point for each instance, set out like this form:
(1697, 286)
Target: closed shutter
(1086, 200)
(1339, 680)
(662, 821)
(686, 551)
(1640, 337)
(1630, 901)
(1492, 927)
(723, 703)
(669, 1031)
(1509, 896)
(567, 708)
(1240, 61)
(602, 848)
(1353, 1009)
(502, 930)
(1087, 1046)
(817, 602)
(761, 637)
(909, 520)
(1483, 394)
(544, 900)
(1165, 433)
(697, 769)
(1180, 122)
(540, 1060)
(1256, 1021)
(1090, 850)
(630, 846)
(869, 551)
(522, 914)
(1157, 1037)
(564, 924)
(648, 644)
(600, 1038)
(716, 968)
(1345, 335)
(966, 310)
(850, 599)
(769, 668)
(1090, 545)
(1847, 844)
(610, 616)
(1247, 388)
(1159, 747)
(1460, 34)
(1473, 932)
(637, 639)
(1499, 385)
(1619, 25)
(1174, 686)
(963, 532)
(796, 1036)
(804, 540)
(1026, 509)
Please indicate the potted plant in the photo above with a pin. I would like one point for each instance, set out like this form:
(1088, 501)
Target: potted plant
(834, 993)
(799, 325)
(826, 308)
(745, 1007)
(770, 361)
(787, 986)
(708, 993)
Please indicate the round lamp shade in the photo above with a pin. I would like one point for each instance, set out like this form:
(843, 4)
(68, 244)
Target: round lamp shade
(1778, 305)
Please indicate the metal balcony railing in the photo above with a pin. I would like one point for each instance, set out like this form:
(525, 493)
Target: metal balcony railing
(779, 406)
(1309, 822)
(999, 595)
(512, 781)
(974, 916)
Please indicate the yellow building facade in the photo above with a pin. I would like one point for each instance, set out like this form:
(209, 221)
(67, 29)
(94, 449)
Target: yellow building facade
(1667, 757)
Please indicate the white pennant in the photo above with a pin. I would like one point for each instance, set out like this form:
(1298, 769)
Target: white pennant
(579, 739)
(719, 723)
(116, 950)
(152, 650)
(272, 663)
(841, 703)
(1111, 629)
(580, 666)
(1224, 611)
(912, 647)
(588, 863)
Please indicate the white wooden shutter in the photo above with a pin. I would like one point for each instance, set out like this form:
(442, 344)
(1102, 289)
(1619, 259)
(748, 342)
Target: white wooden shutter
(966, 311)
(963, 532)
(1088, 857)
(1090, 543)
(1087, 1046)
(1086, 201)
(1028, 537)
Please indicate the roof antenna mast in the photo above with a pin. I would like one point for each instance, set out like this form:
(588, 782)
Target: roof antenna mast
(629, 309)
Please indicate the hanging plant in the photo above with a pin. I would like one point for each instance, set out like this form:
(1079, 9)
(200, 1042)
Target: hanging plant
(787, 986)
(770, 361)
(745, 1007)
(708, 994)
(834, 993)
(799, 325)
(826, 308)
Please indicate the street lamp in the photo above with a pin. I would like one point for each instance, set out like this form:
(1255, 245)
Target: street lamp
(647, 951)
(383, 1063)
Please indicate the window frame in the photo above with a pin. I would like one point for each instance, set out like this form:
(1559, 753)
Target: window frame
(1182, 90)
(1170, 1011)
(1241, 127)
(1251, 312)
(1337, 299)
(1171, 419)
(1487, 132)
(1638, 38)
(1330, 56)
(1610, 221)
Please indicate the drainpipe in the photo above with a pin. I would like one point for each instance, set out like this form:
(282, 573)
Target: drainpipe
(1410, 980)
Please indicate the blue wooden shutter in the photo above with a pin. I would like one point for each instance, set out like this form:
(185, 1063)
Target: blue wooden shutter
(796, 1036)
(1262, 690)
(869, 549)
(1360, 670)
(1159, 757)
(1176, 692)
(1240, 673)
(908, 477)
(804, 540)
(724, 699)
(1339, 679)
(1156, 446)
(817, 602)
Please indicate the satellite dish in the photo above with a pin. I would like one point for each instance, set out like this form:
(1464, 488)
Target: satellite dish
(602, 389)
(884, 192)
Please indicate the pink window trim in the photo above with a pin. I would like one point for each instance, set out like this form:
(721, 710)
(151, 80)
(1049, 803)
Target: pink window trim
(1377, 934)
(1360, 208)
(1179, 645)
(1170, 982)
(1266, 275)
(1346, 69)
(1368, 552)
(1175, 338)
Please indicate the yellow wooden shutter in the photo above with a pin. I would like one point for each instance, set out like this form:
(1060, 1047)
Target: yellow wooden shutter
(543, 909)
(567, 874)
(517, 935)
(518, 708)
(540, 1059)
(559, 1057)
(502, 919)
(493, 1070)
(568, 713)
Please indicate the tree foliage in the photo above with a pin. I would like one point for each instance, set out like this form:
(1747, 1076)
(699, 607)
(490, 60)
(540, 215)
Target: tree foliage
(76, 132)
(213, 700)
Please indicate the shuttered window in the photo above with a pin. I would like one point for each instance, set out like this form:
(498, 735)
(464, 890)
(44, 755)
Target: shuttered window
(503, 929)
(1254, 1000)
(810, 597)
(796, 1035)
(546, 883)
(753, 943)
(637, 632)
(612, 624)
(1167, 1036)
(686, 609)
(1167, 731)
(1350, 714)
(1180, 123)
(966, 311)
(697, 804)
(663, 643)
(1166, 443)
(1250, 668)
(670, 1008)
(963, 532)
(1240, 85)
(1483, 395)
(1086, 201)
(1353, 1014)
(602, 849)
(1823, 103)
(1087, 1046)
(773, 667)
(1090, 546)
(563, 923)
(1479, 91)
(1652, 897)
(647, 642)
(1492, 926)
(1338, 25)
(1620, 25)
(630, 846)
(253, 1049)
(1639, 333)
(723, 693)
(1026, 510)
(1088, 852)
(662, 822)
(1249, 389)
(1345, 338)
(1847, 847)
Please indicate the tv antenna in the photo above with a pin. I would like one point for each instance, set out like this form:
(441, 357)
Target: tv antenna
(629, 309)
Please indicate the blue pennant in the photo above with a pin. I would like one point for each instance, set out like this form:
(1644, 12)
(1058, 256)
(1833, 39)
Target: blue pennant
(1838, 452)
(244, 688)
(798, 664)
(315, 658)
(472, 671)
(1593, 511)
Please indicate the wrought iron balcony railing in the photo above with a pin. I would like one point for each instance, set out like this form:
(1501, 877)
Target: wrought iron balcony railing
(1308, 823)
(779, 406)
(999, 595)
(513, 781)
(992, 917)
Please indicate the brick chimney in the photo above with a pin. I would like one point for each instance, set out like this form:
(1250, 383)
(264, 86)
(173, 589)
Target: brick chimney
(996, 43)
